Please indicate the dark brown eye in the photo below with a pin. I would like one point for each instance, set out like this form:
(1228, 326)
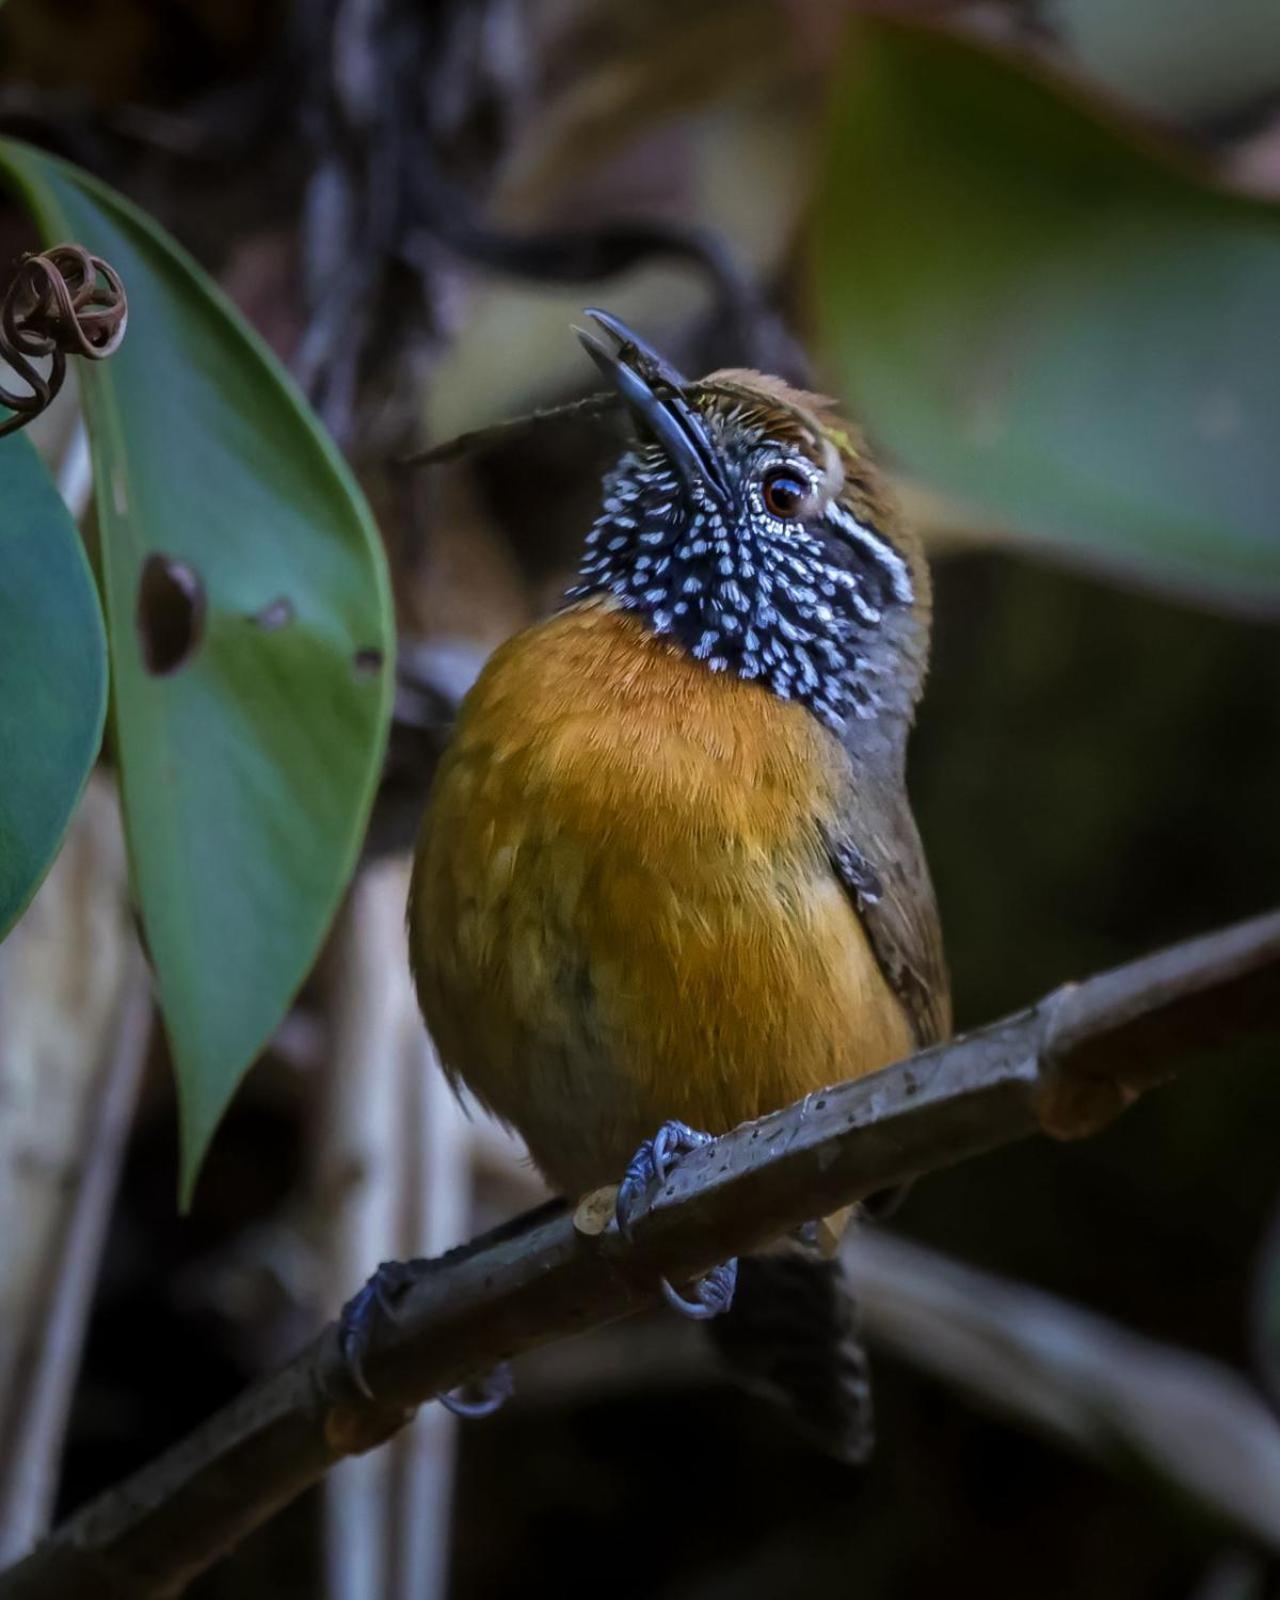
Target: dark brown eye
(783, 493)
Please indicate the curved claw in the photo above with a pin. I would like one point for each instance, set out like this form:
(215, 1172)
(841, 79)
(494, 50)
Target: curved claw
(359, 1317)
(649, 1166)
(353, 1338)
(712, 1293)
(493, 1389)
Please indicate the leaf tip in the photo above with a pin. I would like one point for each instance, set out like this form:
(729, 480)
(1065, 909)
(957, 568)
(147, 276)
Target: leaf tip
(198, 1120)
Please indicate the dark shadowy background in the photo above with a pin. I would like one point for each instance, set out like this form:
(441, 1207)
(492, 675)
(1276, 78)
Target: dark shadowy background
(1096, 771)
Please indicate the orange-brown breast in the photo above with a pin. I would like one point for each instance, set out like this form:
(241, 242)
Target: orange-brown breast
(622, 908)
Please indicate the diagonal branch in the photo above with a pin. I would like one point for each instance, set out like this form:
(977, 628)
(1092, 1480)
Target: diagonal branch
(1067, 1066)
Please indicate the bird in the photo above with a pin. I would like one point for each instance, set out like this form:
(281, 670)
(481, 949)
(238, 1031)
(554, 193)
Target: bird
(668, 877)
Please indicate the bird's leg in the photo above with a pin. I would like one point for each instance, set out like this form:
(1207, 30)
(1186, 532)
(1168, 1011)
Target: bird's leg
(646, 1172)
(359, 1318)
(376, 1302)
(482, 1396)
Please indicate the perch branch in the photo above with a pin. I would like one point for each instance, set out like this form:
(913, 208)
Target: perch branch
(1066, 1066)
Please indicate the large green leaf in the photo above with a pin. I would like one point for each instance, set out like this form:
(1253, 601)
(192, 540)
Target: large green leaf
(53, 673)
(251, 643)
(1044, 317)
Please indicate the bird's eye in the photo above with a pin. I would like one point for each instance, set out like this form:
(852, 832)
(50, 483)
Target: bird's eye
(783, 493)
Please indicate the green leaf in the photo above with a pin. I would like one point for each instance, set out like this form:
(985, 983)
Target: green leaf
(53, 673)
(1180, 58)
(1046, 318)
(251, 642)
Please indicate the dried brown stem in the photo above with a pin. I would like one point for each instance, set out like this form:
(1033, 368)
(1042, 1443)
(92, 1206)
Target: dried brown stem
(37, 1450)
(63, 303)
(1067, 1065)
(362, 1171)
(72, 1020)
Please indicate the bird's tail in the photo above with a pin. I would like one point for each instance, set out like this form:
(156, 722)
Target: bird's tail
(792, 1336)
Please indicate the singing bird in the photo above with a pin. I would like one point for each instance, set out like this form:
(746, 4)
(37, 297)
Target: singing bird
(668, 877)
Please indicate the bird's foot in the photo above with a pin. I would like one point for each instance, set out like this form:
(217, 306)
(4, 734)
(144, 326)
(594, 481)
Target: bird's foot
(482, 1396)
(358, 1321)
(649, 1166)
(376, 1303)
(713, 1292)
(710, 1295)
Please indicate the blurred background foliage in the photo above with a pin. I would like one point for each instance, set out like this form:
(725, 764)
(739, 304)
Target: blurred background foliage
(1037, 254)
(1048, 318)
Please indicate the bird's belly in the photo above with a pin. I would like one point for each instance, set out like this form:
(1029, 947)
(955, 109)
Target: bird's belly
(611, 930)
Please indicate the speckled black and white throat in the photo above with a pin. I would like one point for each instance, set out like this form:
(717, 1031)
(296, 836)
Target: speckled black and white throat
(796, 607)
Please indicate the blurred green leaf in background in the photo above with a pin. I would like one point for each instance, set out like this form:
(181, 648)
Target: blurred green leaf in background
(1177, 58)
(251, 642)
(1045, 317)
(53, 673)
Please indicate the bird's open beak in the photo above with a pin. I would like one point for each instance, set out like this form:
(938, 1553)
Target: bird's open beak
(654, 393)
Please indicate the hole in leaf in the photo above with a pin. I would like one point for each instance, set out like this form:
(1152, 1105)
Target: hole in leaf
(171, 608)
(367, 662)
(277, 613)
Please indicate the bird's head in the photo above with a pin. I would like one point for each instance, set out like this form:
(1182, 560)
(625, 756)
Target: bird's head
(747, 524)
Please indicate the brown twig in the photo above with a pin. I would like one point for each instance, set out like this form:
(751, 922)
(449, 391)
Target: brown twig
(62, 303)
(1110, 1395)
(1068, 1064)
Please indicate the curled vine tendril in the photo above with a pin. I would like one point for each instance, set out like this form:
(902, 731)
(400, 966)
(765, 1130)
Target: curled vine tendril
(64, 302)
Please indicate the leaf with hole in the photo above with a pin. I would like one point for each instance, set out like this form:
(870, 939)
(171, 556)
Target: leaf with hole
(251, 643)
(1046, 317)
(53, 673)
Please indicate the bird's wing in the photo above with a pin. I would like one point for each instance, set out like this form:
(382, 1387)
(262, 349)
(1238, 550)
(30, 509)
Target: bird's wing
(881, 863)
